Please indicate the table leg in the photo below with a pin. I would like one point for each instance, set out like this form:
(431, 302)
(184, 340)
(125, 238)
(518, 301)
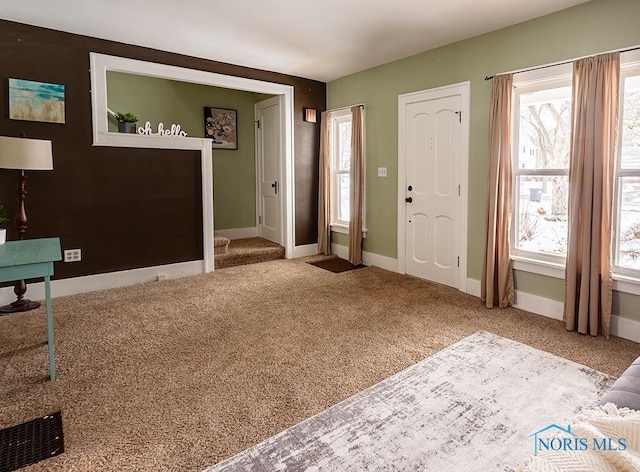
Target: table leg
(52, 359)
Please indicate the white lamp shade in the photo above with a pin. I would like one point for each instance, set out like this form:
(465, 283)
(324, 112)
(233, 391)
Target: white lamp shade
(25, 154)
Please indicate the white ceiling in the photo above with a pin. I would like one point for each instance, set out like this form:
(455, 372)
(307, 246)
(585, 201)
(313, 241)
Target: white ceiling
(323, 39)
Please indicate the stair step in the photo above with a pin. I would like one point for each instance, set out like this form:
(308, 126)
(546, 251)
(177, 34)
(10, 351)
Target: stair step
(249, 251)
(220, 245)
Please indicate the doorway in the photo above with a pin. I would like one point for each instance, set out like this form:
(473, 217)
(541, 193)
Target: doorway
(101, 63)
(432, 184)
(268, 194)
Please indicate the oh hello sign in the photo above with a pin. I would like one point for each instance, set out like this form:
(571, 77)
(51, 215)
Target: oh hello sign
(173, 131)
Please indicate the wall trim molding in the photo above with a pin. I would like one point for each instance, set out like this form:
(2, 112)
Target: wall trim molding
(473, 287)
(238, 233)
(368, 258)
(620, 326)
(539, 305)
(305, 250)
(90, 283)
(101, 63)
(630, 329)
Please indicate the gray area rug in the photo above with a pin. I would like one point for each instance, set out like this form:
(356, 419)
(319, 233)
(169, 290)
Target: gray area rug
(469, 407)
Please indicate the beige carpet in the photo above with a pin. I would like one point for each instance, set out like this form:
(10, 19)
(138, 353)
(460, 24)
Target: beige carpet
(180, 374)
(459, 410)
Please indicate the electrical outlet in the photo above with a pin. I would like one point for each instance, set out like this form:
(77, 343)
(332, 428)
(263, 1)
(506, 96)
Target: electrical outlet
(72, 255)
(382, 171)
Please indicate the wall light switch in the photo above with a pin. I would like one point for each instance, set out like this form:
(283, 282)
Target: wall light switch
(382, 171)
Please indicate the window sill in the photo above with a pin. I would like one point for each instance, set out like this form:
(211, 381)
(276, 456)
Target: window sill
(621, 283)
(627, 284)
(342, 229)
(550, 269)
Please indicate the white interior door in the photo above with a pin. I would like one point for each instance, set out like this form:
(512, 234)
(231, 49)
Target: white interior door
(432, 130)
(268, 151)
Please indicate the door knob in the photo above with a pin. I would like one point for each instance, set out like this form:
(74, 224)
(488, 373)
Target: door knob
(275, 186)
(409, 188)
(408, 199)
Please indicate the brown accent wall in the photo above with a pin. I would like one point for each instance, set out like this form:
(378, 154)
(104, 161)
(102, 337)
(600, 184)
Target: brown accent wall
(125, 208)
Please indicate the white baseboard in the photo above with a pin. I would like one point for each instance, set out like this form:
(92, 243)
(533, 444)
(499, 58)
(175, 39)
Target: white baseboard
(368, 258)
(473, 287)
(625, 328)
(620, 326)
(89, 283)
(384, 262)
(539, 305)
(305, 250)
(238, 233)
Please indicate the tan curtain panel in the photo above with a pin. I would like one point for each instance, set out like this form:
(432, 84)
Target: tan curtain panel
(497, 273)
(324, 189)
(587, 306)
(356, 190)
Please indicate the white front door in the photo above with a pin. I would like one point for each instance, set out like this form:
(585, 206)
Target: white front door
(432, 134)
(268, 151)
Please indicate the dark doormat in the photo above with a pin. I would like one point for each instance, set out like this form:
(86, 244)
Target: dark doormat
(336, 265)
(31, 442)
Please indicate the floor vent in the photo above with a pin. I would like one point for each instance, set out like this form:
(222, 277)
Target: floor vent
(31, 442)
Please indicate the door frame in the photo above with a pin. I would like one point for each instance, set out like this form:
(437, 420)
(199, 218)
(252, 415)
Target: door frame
(462, 89)
(101, 63)
(281, 208)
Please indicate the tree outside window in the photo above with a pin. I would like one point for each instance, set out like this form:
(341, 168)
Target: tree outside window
(628, 177)
(541, 170)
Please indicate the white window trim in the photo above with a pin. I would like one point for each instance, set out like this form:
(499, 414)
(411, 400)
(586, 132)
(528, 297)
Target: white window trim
(344, 229)
(339, 226)
(335, 118)
(527, 82)
(626, 277)
(621, 283)
(537, 266)
(624, 280)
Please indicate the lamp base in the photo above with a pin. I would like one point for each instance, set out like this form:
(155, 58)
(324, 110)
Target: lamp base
(22, 305)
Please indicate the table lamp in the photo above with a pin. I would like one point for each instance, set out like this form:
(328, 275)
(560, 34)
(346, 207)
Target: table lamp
(23, 154)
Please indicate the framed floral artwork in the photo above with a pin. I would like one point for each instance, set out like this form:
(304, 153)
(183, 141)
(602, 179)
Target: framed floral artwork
(221, 125)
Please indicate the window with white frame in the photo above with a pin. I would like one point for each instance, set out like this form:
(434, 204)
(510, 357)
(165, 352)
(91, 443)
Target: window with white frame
(626, 246)
(540, 165)
(340, 139)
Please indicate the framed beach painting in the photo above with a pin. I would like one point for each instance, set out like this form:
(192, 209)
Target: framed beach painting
(221, 125)
(36, 101)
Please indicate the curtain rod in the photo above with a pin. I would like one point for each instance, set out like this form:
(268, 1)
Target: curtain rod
(361, 105)
(489, 77)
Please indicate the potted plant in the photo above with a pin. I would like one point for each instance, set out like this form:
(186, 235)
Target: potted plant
(126, 122)
(3, 219)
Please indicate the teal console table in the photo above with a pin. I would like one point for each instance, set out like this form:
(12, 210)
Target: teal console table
(29, 259)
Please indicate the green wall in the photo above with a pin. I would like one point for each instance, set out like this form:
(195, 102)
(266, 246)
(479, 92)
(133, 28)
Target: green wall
(167, 101)
(590, 28)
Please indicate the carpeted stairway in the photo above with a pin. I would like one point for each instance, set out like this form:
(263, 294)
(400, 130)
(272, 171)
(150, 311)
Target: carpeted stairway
(236, 252)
